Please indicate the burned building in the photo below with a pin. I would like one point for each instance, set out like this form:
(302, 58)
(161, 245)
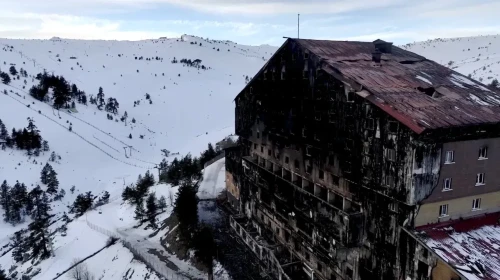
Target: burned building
(345, 148)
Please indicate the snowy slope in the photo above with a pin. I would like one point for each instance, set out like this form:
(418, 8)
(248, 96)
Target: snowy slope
(191, 107)
(478, 56)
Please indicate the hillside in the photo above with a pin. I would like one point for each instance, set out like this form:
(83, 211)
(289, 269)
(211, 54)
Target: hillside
(478, 56)
(180, 107)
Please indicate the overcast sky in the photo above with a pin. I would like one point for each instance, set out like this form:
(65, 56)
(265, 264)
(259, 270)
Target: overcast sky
(249, 21)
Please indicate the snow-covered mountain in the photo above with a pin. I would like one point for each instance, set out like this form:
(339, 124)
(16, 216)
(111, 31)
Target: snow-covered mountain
(478, 56)
(189, 105)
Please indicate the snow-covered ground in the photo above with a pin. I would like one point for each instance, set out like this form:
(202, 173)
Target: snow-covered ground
(478, 56)
(190, 108)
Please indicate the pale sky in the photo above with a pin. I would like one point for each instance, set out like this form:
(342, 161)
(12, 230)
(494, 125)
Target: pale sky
(251, 22)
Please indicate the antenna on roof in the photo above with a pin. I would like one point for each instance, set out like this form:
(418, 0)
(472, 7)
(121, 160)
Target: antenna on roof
(298, 25)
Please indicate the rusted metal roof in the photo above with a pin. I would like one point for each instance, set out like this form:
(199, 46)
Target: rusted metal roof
(418, 92)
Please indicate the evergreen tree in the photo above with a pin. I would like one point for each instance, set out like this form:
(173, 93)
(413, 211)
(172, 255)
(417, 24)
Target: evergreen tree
(74, 90)
(13, 70)
(4, 134)
(186, 209)
(140, 212)
(44, 175)
(151, 209)
(5, 78)
(52, 182)
(39, 240)
(84, 99)
(2, 274)
(18, 196)
(83, 202)
(162, 203)
(100, 98)
(18, 245)
(5, 199)
(45, 146)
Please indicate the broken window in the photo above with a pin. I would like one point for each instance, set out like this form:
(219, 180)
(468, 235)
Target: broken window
(370, 123)
(335, 180)
(443, 210)
(389, 181)
(321, 174)
(308, 151)
(476, 204)
(450, 157)
(296, 164)
(268, 152)
(350, 96)
(258, 135)
(309, 168)
(479, 179)
(483, 153)
(255, 146)
(331, 160)
(447, 184)
(393, 127)
(287, 159)
(306, 55)
(261, 149)
(390, 154)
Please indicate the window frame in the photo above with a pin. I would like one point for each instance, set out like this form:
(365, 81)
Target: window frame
(446, 157)
(476, 204)
(443, 213)
(390, 155)
(445, 187)
(483, 153)
(480, 179)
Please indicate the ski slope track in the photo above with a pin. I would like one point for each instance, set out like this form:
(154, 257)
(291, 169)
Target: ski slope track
(189, 108)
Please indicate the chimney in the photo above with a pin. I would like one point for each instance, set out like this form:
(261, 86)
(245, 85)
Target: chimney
(376, 56)
(383, 46)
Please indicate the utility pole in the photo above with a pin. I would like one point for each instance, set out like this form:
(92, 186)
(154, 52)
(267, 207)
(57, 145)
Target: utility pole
(298, 26)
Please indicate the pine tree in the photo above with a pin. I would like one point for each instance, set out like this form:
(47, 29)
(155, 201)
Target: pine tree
(45, 146)
(105, 197)
(2, 274)
(13, 70)
(186, 209)
(83, 202)
(52, 182)
(18, 197)
(19, 245)
(5, 78)
(100, 98)
(44, 175)
(4, 134)
(140, 212)
(39, 240)
(5, 199)
(162, 203)
(151, 209)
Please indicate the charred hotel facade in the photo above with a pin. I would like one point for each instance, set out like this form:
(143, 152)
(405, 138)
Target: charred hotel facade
(361, 160)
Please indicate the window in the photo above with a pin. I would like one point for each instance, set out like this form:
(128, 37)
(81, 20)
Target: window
(258, 135)
(443, 210)
(450, 157)
(305, 73)
(335, 180)
(308, 168)
(320, 267)
(321, 174)
(389, 181)
(283, 73)
(308, 151)
(370, 124)
(278, 231)
(393, 126)
(392, 207)
(287, 159)
(483, 153)
(308, 257)
(255, 146)
(268, 152)
(390, 154)
(350, 96)
(262, 149)
(479, 179)
(296, 164)
(306, 55)
(447, 184)
(476, 204)
(304, 132)
(331, 160)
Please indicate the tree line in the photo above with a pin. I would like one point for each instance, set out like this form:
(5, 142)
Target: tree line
(28, 138)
